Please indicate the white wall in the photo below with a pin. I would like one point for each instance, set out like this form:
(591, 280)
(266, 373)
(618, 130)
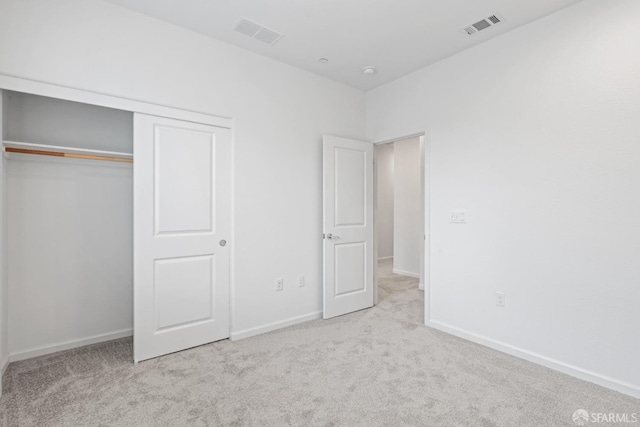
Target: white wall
(69, 252)
(536, 134)
(43, 120)
(280, 114)
(70, 240)
(408, 202)
(384, 199)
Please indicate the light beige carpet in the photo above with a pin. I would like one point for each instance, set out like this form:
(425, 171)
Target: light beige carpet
(377, 367)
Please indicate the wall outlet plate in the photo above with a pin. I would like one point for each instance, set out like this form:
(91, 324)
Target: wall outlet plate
(500, 299)
(279, 284)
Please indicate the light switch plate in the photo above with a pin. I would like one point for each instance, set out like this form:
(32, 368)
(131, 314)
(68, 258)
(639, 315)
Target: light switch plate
(458, 216)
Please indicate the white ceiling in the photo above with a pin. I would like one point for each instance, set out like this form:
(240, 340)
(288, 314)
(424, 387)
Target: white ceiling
(395, 36)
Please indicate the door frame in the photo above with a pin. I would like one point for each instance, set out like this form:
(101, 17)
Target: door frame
(425, 191)
(68, 93)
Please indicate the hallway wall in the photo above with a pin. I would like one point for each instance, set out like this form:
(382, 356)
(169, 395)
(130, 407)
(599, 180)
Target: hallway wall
(384, 199)
(407, 221)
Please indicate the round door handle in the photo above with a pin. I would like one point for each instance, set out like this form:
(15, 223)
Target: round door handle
(223, 243)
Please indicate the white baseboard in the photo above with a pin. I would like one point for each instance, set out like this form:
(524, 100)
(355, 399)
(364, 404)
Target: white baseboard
(421, 286)
(4, 364)
(235, 336)
(68, 345)
(406, 273)
(385, 257)
(557, 365)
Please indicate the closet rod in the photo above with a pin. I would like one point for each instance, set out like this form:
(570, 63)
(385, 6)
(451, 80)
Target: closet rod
(49, 147)
(68, 155)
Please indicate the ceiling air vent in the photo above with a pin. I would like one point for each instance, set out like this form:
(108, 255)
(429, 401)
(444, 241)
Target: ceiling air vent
(483, 24)
(256, 31)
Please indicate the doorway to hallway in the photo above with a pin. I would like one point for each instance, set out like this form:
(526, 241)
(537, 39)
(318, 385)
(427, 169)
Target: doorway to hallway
(400, 214)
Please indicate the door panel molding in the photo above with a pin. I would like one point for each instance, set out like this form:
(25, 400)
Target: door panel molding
(182, 204)
(348, 226)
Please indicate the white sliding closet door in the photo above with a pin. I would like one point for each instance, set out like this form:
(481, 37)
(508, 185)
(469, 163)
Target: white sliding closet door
(181, 229)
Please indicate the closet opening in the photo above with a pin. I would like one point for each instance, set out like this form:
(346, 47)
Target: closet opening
(68, 224)
(80, 262)
(400, 219)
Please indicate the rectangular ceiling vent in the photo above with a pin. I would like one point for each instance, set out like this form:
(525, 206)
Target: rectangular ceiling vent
(256, 31)
(483, 24)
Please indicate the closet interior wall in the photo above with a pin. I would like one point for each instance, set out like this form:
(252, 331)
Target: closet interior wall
(68, 227)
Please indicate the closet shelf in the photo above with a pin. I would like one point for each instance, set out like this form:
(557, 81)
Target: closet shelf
(69, 152)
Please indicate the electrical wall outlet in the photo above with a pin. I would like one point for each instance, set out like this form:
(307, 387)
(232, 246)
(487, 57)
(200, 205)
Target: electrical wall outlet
(500, 299)
(300, 281)
(279, 284)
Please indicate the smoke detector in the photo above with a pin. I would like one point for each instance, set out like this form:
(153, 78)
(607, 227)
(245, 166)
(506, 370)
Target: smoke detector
(483, 24)
(256, 31)
(369, 71)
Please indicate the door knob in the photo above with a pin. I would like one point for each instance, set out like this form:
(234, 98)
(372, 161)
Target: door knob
(332, 236)
(223, 242)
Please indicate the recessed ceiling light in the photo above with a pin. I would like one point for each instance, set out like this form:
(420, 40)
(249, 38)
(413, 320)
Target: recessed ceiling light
(369, 71)
(323, 60)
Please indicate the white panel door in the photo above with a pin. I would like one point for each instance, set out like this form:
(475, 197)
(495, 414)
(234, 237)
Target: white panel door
(348, 226)
(181, 232)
